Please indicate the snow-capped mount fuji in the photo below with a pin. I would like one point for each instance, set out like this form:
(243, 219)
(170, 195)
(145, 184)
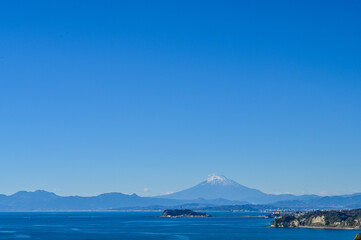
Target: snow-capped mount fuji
(218, 186)
(222, 180)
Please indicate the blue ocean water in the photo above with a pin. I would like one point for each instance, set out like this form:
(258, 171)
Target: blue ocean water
(147, 225)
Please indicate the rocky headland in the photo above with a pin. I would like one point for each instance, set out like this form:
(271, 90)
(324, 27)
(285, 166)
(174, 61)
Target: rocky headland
(176, 213)
(332, 219)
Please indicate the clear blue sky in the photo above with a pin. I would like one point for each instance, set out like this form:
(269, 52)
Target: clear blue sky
(100, 96)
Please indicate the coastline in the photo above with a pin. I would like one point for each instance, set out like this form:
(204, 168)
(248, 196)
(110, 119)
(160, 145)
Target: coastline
(330, 228)
(320, 227)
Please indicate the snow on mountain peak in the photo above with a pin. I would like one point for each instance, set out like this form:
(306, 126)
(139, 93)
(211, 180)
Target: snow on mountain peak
(218, 179)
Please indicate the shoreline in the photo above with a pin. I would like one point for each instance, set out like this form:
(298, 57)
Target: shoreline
(319, 227)
(330, 228)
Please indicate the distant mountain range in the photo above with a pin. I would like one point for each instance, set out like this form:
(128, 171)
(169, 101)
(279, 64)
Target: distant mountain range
(351, 201)
(46, 201)
(217, 193)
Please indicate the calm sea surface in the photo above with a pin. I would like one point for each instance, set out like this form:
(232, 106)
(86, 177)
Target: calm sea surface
(147, 225)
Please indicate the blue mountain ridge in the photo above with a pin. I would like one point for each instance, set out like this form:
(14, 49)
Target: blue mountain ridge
(216, 191)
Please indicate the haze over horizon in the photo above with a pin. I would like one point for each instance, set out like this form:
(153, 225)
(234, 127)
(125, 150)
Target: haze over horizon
(151, 97)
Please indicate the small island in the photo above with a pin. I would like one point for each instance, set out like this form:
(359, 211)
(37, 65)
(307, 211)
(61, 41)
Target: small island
(177, 213)
(330, 219)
